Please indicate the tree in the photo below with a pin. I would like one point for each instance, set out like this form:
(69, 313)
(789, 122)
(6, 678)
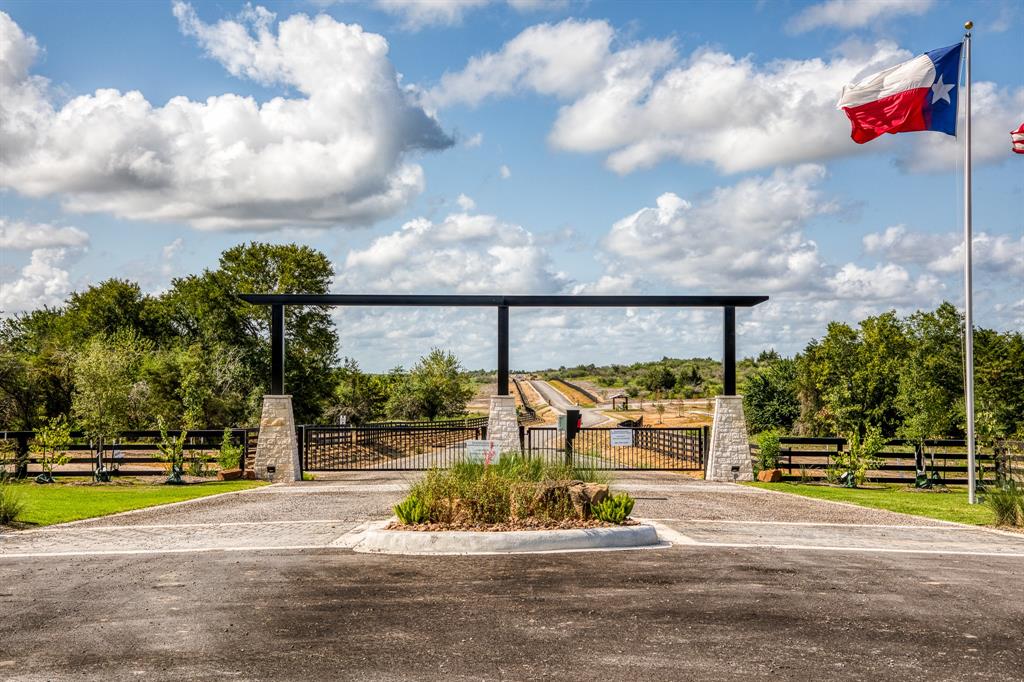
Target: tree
(930, 397)
(51, 443)
(360, 397)
(204, 309)
(105, 372)
(659, 378)
(438, 386)
(770, 397)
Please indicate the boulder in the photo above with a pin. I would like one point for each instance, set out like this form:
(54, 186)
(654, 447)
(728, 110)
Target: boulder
(770, 475)
(229, 474)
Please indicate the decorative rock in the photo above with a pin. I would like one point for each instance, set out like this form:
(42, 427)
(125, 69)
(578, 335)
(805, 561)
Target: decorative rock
(730, 445)
(277, 450)
(770, 475)
(229, 474)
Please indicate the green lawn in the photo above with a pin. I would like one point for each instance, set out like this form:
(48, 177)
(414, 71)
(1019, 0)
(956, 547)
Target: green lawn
(948, 506)
(60, 502)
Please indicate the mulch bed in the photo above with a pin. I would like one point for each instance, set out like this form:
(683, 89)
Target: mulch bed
(515, 524)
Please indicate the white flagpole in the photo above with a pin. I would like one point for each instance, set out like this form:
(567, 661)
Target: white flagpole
(968, 293)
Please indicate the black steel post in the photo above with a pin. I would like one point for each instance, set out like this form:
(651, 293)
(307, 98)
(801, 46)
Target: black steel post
(729, 351)
(503, 350)
(277, 349)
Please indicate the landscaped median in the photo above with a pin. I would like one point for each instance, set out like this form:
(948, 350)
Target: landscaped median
(947, 505)
(44, 505)
(512, 505)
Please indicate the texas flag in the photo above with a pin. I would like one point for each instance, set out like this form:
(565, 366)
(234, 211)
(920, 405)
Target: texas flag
(916, 95)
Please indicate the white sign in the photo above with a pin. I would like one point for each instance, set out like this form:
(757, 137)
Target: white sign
(482, 451)
(622, 438)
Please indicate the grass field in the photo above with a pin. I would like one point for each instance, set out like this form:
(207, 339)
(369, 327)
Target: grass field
(60, 502)
(947, 506)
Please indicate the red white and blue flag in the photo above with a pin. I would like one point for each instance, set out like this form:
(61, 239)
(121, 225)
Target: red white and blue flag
(919, 94)
(1017, 138)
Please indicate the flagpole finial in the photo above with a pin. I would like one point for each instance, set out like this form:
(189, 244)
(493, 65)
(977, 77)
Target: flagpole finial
(968, 24)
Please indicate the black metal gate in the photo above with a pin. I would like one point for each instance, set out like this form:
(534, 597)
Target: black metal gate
(394, 446)
(417, 446)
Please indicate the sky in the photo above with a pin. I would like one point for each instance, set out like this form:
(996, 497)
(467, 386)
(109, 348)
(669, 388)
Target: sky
(518, 146)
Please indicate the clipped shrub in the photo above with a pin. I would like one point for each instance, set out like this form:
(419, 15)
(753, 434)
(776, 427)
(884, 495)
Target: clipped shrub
(230, 455)
(11, 504)
(411, 511)
(768, 450)
(1007, 505)
(614, 509)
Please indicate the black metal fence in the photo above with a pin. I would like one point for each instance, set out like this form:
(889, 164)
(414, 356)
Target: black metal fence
(809, 458)
(418, 446)
(130, 453)
(404, 446)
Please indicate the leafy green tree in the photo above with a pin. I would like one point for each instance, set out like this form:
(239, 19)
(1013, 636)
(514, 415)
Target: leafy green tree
(105, 373)
(360, 397)
(51, 443)
(439, 386)
(205, 309)
(930, 396)
(770, 397)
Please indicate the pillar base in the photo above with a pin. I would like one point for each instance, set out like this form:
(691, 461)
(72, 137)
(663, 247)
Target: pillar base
(503, 424)
(729, 456)
(277, 450)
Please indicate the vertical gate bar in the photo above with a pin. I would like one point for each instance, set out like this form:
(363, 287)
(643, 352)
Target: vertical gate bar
(729, 351)
(503, 350)
(277, 349)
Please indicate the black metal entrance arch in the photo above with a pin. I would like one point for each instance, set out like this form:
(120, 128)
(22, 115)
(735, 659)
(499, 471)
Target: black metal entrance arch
(277, 302)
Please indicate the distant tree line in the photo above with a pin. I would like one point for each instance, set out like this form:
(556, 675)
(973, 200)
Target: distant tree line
(901, 377)
(195, 356)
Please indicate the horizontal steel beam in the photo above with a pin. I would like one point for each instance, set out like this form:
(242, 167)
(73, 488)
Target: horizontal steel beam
(510, 301)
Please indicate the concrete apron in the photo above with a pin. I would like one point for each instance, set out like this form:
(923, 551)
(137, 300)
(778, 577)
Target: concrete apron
(377, 540)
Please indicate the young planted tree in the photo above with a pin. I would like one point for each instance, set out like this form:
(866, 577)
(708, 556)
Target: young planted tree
(105, 372)
(50, 444)
(172, 451)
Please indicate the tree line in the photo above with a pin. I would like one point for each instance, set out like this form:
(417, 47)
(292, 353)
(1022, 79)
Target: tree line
(196, 356)
(900, 377)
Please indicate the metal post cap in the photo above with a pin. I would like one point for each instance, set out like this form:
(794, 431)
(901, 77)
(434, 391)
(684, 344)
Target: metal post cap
(968, 25)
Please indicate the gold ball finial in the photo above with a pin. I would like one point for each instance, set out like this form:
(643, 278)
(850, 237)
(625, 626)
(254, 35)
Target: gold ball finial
(968, 25)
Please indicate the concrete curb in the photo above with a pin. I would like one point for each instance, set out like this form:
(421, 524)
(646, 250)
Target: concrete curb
(376, 540)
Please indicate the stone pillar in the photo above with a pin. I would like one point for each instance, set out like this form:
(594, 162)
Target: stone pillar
(277, 450)
(730, 445)
(503, 424)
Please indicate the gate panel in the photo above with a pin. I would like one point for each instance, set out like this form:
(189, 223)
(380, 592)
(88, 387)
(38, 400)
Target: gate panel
(408, 446)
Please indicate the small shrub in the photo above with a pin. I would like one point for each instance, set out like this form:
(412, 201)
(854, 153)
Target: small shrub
(1007, 505)
(230, 455)
(614, 509)
(412, 511)
(768, 450)
(306, 476)
(11, 504)
(196, 464)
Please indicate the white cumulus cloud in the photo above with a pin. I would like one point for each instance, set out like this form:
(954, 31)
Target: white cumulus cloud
(641, 103)
(335, 154)
(21, 236)
(463, 253)
(849, 14)
(741, 238)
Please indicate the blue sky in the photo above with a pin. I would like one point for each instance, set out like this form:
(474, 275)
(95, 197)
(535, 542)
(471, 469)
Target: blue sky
(541, 147)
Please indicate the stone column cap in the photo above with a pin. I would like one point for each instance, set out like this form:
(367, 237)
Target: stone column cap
(277, 396)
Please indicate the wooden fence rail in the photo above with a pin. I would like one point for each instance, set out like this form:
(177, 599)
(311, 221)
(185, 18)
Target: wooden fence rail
(808, 458)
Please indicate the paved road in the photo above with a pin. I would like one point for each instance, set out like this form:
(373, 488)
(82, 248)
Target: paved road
(558, 402)
(757, 585)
